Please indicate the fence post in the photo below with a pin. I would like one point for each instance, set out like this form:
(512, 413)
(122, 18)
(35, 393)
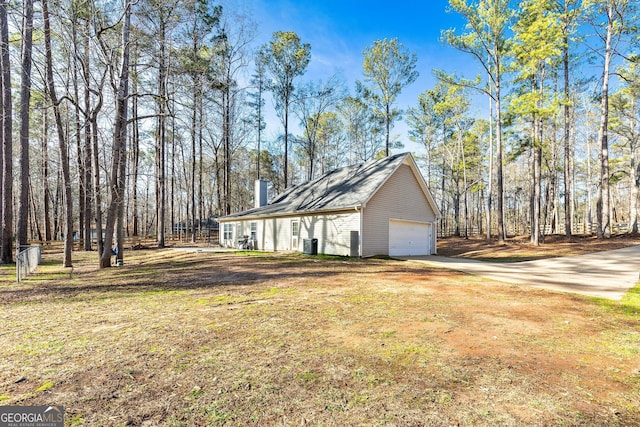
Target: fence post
(18, 264)
(27, 260)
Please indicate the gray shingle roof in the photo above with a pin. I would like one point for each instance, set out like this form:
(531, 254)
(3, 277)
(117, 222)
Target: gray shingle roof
(340, 189)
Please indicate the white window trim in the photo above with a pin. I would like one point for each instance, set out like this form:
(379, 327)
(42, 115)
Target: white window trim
(295, 239)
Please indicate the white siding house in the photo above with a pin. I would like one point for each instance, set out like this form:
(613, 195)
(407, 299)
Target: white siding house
(382, 207)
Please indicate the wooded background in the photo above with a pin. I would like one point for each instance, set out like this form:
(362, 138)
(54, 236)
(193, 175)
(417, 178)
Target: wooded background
(146, 119)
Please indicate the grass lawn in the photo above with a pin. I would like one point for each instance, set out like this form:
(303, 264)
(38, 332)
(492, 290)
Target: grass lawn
(183, 339)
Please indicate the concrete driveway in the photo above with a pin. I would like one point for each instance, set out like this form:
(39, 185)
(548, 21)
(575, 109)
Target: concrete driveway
(607, 274)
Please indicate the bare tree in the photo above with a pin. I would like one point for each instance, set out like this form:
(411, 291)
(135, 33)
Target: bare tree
(603, 210)
(257, 103)
(310, 103)
(118, 159)
(46, 196)
(363, 128)
(25, 96)
(537, 42)
(231, 56)
(6, 233)
(286, 58)
(160, 15)
(388, 68)
(135, 144)
(625, 124)
(197, 64)
(568, 10)
(62, 143)
(610, 34)
(485, 40)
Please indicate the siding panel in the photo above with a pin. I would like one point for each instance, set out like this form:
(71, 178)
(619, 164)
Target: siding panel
(333, 232)
(277, 234)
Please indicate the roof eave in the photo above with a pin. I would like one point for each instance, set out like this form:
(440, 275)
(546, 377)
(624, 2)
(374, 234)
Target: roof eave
(286, 214)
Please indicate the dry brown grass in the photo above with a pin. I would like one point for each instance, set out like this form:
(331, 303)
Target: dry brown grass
(182, 339)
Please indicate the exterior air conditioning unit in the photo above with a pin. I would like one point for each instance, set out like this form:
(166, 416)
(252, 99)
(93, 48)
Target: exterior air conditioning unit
(310, 246)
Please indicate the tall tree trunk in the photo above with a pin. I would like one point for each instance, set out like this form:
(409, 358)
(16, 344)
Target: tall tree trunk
(3, 115)
(34, 210)
(6, 243)
(227, 150)
(115, 210)
(464, 183)
(634, 172)
(46, 194)
(161, 194)
(25, 97)
(62, 143)
(568, 214)
(201, 213)
(286, 143)
(387, 128)
(551, 209)
(603, 203)
(97, 186)
(56, 207)
(135, 159)
(172, 203)
(456, 206)
(194, 119)
(443, 218)
(499, 160)
(219, 179)
(122, 173)
(185, 186)
(490, 174)
(227, 142)
(537, 184)
(82, 185)
(589, 207)
(87, 150)
(259, 125)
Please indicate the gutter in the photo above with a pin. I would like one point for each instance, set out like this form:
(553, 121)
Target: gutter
(286, 214)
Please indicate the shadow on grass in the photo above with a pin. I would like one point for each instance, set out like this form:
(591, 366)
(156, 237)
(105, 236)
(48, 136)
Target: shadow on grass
(182, 272)
(47, 270)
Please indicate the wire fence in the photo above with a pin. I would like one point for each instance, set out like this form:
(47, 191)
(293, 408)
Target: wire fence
(27, 260)
(514, 230)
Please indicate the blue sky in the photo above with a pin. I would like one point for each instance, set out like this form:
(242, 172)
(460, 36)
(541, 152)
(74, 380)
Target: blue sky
(339, 31)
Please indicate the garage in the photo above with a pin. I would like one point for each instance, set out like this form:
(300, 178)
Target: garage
(409, 238)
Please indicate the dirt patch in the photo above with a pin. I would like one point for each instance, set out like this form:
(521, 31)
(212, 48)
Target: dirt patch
(521, 249)
(187, 339)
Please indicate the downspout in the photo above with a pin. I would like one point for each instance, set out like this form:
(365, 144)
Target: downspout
(360, 209)
(434, 236)
(434, 231)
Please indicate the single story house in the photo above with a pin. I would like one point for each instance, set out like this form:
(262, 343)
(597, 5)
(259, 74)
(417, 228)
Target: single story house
(381, 207)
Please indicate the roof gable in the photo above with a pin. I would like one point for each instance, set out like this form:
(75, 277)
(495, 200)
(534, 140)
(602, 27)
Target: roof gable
(345, 188)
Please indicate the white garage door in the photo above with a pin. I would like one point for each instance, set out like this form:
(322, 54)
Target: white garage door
(409, 238)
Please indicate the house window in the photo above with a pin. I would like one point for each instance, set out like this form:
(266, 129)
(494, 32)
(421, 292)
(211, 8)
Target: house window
(295, 232)
(227, 232)
(253, 236)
